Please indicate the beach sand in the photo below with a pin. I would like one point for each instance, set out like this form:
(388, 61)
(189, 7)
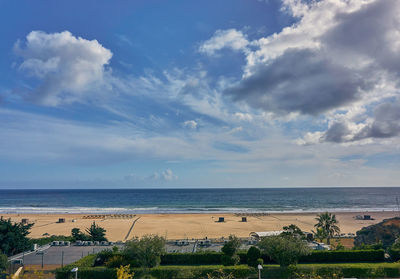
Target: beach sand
(180, 226)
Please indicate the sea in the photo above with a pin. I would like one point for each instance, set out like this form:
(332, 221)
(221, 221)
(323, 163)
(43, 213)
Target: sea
(223, 200)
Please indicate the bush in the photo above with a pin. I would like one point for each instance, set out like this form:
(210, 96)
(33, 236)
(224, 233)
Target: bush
(283, 249)
(230, 260)
(347, 256)
(230, 250)
(394, 254)
(375, 246)
(211, 258)
(145, 252)
(13, 237)
(253, 254)
(359, 270)
(102, 257)
(385, 232)
(116, 261)
(3, 262)
(202, 258)
(162, 272)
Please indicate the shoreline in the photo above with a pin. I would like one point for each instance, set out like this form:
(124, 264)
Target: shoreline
(143, 211)
(190, 225)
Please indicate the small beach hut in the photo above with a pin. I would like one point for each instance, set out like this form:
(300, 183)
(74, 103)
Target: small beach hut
(221, 219)
(61, 220)
(25, 221)
(244, 219)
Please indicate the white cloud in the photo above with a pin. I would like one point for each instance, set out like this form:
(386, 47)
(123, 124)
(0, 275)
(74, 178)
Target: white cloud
(166, 175)
(244, 116)
(191, 124)
(230, 38)
(66, 66)
(339, 58)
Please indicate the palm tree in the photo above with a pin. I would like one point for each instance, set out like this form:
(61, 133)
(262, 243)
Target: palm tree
(327, 223)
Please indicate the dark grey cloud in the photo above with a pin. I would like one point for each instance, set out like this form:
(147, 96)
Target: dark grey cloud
(385, 124)
(370, 32)
(337, 133)
(299, 81)
(350, 59)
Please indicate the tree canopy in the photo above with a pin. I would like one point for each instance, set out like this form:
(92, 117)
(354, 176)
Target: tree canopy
(293, 230)
(328, 225)
(13, 237)
(285, 250)
(230, 250)
(146, 251)
(96, 233)
(385, 232)
(3, 262)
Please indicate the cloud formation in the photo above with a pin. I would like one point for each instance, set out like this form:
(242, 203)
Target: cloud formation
(166, 175)
(230, 38)
(190, 124)
(384, 124)
(339, 58)
(66, 67)
(299, 81)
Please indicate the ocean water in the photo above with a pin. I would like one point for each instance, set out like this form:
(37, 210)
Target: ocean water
(199, 200)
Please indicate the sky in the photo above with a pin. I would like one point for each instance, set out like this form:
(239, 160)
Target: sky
(228, 93)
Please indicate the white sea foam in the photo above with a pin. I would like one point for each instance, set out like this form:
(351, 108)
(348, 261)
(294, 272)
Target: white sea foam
(144, 210)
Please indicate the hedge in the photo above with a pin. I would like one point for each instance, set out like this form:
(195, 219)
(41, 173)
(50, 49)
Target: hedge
(394, 254)
(345, 256)
(191, 259)
(83, 263)
(360, 270)
(161, 272)
(357, 270)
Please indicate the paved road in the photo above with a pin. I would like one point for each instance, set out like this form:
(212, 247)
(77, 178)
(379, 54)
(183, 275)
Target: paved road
(56, 255)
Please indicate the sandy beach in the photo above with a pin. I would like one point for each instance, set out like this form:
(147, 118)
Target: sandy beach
(179, 226)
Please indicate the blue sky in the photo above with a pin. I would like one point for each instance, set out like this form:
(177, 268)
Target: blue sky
(245, 93)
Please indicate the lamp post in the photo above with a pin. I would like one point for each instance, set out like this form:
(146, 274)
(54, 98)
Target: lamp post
(259, 267)
(75, 269)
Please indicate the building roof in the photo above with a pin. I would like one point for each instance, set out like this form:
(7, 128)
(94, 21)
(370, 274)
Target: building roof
(263, 234)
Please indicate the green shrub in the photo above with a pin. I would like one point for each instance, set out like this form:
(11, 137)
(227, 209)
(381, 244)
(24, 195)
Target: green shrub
(102, 257)
(347, 256)
(230, 260)
(146, 251)
(394, 254)
(253, 254)
(162, 272)
(88, 273)
(85, 262)
(358, 270)
(211, 258)
(3, 262)
(285, 250)
(203, 258)
(116, 261)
